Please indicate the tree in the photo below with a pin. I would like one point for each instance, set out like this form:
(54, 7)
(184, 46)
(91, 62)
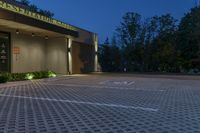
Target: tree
(160, 44)
(25, 2)
(129, 28)
(189, 39)
(156, 44)
(129, 33)
(115, 56)
(33, 8)
(46, 13)
(110, 56)
(105, 56)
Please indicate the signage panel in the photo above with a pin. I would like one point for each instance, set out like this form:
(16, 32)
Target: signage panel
(16, 50)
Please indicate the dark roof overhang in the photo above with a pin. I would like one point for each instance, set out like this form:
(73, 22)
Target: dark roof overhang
(19, 18)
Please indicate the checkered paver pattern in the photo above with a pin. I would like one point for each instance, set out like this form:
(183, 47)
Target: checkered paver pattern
(83, 104)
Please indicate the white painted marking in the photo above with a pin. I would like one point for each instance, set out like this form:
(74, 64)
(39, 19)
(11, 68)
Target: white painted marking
(120, 82)
(104, 87)
(86, 103)
(13, 84)
(92, 86)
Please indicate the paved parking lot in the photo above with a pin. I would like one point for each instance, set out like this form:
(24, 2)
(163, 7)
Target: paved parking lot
(102, 103)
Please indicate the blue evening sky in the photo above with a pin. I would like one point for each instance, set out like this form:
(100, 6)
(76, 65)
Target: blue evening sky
(103, 16)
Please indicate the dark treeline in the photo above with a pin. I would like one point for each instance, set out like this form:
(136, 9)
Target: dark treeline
(34, 8)
(157, 44)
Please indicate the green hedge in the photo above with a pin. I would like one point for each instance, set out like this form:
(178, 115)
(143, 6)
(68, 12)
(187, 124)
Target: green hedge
(5, 77)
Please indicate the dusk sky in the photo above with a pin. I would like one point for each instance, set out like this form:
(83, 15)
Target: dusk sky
(103, 16)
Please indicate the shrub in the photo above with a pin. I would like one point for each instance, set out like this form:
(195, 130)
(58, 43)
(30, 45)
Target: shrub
(29, 76)
(37, 75)
(18, 76)
(44, 74)
(4, 78)
(51, 74)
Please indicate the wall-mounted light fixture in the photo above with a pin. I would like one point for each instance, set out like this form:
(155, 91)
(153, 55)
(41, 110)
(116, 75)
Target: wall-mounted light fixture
(69, 50)
(33, 34)
(17, 32)
(46, 37)
(96, 53)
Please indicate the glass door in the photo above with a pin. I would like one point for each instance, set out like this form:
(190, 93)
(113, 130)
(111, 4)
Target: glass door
(4, 52)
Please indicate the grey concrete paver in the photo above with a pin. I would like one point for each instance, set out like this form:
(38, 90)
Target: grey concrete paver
(62, 105)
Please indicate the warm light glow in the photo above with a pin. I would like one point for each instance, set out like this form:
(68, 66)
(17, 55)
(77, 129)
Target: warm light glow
(70, 62)
(46, 37)
(96, 52)
(33, 35)
(70, 43)
(29, 76)
(17, 32)
(69, 55)
(52, 75)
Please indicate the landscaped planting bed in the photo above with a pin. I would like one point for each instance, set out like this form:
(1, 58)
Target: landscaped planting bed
(6, 77)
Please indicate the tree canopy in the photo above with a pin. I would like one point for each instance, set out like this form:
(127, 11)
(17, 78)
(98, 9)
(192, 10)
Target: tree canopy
(156, 44)
(34, 8)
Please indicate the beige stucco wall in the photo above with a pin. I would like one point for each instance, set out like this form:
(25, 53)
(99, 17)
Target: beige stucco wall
(56, 58)
(82, 58)
(32, 53)
(38, 54)
(84, 37)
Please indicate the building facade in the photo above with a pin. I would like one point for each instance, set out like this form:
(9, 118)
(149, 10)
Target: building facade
(32, 42)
